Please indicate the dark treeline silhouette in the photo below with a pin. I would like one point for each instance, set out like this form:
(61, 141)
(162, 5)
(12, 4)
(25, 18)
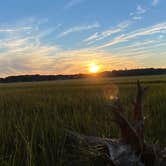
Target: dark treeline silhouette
(114, 73)
(134, 72)
(37, 77)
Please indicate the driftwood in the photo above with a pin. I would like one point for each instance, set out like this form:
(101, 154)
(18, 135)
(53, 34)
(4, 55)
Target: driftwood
(130, 150)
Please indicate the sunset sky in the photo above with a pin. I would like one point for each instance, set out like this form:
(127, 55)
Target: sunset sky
(66, 36)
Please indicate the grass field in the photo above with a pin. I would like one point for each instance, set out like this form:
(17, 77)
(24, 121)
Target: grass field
(33, 116)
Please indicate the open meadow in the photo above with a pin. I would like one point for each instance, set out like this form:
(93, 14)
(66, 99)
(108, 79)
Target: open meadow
(34, 116)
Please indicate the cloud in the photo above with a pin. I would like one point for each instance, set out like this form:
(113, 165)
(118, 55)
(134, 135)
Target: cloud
(23, 51)
(15, 29)
(135, 34)
(137, 44)
(141, 50)
(78, 29)
(155, 2)
(102, 35)
(37, 60)
(92, 37)
(77, 61)
(136, 17)
(72, 3)
(140, 10)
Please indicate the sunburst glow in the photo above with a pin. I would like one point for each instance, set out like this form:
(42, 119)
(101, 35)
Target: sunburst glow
(93, 68)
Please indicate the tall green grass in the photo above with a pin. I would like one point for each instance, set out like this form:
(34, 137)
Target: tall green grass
(33, 117)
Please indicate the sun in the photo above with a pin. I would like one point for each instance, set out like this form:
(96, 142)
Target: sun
(93, 68)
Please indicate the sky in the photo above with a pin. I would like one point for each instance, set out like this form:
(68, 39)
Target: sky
(66, 36)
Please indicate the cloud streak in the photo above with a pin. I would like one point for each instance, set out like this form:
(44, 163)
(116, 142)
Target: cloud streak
(108, 33)
(135, 34)
(78, 29)
(14, 29)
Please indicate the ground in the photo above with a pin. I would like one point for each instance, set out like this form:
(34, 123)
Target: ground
(33, 116)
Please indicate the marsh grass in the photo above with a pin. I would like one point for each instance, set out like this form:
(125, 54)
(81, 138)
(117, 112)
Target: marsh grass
(33, 117)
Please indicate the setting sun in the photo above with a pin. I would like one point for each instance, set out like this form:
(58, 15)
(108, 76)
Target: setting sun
(93, 68)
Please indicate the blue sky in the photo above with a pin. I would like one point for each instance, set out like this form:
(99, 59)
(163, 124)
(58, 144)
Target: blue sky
(66, 36)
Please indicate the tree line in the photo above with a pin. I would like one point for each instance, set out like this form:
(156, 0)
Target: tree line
(114, 73)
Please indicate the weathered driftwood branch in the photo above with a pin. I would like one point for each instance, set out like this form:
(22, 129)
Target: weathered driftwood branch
(130, 150)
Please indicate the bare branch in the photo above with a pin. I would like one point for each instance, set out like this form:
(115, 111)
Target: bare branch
(138, 111)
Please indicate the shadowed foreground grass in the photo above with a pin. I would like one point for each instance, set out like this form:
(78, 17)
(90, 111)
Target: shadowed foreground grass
(33, 116)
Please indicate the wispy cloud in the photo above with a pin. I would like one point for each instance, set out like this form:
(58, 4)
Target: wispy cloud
(135, 34)
(155, 2)
(137, 15)
(78, 60)
(107, 33)
(137, 44)
(22, 54)
(79, 29)
(140, 10)
(15, 29)
(72, 3)
(140, 50)
(23, 51)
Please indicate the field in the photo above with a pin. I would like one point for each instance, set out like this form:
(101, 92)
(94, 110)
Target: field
(33, 116)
